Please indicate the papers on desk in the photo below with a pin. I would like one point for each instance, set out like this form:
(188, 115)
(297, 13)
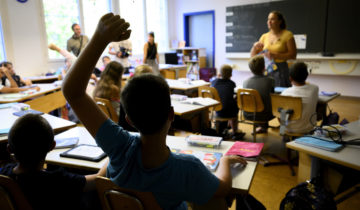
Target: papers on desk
(204, 141)
(178, 97)
(328, 93)
(209, 159)
(319, 143)
(200, 101)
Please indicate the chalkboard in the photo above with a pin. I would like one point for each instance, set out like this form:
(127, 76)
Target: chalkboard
(317, 19)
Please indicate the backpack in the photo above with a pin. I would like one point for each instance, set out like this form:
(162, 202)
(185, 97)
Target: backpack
(307, 196)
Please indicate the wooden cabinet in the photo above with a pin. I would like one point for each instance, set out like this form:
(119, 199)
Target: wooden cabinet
(192, 55)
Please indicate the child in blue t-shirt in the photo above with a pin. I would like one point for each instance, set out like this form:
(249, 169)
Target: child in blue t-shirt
(144, 162)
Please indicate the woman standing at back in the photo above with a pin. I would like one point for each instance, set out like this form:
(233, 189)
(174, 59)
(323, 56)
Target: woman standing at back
(151, 56)
(279, 45)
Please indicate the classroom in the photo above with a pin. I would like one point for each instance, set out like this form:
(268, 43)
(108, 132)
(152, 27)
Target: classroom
(200, 49)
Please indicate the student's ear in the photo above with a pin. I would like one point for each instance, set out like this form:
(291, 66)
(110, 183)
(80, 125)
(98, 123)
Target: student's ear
(171, 114)
(53, 144)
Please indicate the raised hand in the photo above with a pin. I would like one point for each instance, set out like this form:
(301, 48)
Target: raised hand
(112, 28)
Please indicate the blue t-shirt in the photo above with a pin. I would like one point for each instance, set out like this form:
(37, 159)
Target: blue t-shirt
(181, 178)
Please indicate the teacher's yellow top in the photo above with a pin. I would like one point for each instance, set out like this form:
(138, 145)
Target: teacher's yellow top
(276, 46)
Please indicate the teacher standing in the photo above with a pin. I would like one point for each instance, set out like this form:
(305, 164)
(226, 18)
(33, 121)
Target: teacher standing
(279, 45)
(151, 56)
(77, 42)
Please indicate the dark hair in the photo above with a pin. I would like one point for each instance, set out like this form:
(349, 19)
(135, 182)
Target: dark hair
(281, 18)
(298, 72)
(146, 101)
(226, 71)
(30, 139)
(73, 25)
(152, 34)
(5, 63)
(105, 56)
(257, 65)
(109, 77)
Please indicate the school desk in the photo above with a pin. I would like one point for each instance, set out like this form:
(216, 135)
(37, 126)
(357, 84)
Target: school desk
(242, 178)
(8, 119)
(181, 108)
(185, 85)
(47, 99)
(309, 164)
(42, 79)
(170, 71)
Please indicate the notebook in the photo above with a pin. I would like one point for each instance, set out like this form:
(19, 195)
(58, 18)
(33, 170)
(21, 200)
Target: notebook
(248, 150)
(85, 152)
(319, 143)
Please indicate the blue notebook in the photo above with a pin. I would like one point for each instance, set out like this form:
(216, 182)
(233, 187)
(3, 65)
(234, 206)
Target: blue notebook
(319, 143)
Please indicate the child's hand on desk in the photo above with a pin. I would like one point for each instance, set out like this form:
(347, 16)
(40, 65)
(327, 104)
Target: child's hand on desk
(37, 88)
(232, 159)
(112, 28)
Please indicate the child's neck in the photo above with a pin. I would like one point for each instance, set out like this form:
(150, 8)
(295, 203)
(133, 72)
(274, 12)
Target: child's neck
(298, 83)
(21, 168)
(154, 150)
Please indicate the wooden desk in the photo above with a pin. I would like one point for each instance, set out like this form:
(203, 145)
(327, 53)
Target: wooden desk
(170, 71)
(349, 156)
(242, 178)
(181, 84)
(43, 79)
(183, 108)
(8, 119)
(47, 99)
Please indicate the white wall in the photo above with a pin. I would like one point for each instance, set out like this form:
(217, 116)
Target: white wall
(346, 85)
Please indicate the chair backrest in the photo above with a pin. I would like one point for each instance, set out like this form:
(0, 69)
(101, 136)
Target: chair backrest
(210, 92)
(249, 100)
(11, 196)
(106, 106)
(113, 197)
(287, 103)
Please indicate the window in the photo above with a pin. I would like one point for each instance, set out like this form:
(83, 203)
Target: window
(156, 19)
(133, 12)
(2, 47)
(59, 16)
(93, 10)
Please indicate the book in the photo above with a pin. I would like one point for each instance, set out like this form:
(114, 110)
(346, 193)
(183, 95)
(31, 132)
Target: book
(209, 159)
(85, 152)
(66, 142)
(178, 97)
(204, 141)
(200, 101)
(24, 112)
(248, 150)
(319, 143)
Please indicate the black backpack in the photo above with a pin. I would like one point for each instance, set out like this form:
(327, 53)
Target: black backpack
(308, 195)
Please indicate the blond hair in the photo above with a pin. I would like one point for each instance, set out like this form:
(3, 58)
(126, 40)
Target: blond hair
(142, 69)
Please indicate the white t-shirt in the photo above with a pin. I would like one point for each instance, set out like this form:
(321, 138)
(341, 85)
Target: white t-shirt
(1, 86)
(309, 94)
(116, 48)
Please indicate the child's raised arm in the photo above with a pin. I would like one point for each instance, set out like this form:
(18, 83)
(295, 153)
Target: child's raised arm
(110, 28)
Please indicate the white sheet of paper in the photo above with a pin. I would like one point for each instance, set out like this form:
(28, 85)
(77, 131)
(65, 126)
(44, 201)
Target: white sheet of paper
(300, 40)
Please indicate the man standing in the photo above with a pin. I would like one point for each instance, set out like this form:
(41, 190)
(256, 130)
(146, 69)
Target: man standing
(120, 52)
(77, 42)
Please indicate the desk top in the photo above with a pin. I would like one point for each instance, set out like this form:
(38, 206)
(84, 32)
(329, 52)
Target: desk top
(8, 119)
(17, 97)
(242, 178)
(43, 79)
(171, 66)
(182, 84)
(349, 156)
(183, 108)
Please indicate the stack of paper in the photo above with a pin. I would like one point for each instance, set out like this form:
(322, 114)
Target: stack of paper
(204, 141)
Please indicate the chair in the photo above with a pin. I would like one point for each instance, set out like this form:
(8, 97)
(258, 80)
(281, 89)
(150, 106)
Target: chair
(107, 108)
(211, 92)
(11, 196)
(113, 197)
(249, 100)
(294, 106)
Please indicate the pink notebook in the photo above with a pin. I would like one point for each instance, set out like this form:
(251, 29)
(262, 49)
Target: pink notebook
(245, 149)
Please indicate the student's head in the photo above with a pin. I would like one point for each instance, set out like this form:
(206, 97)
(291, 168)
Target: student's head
(276, 20)
(106, 60)
(9, 66)
(142, 69)
(111, 75)
(226, 71)
(76, 29)
(257, 65)
(146, 101)
(299, 72)
(30, 139)
(151, 37)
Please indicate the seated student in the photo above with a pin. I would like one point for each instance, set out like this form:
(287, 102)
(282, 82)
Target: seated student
(109, 85)
(142, 69)
(144, 162)
(10, 85)
(106, 60)
(19, 81)
(309, 94)
(264, 85)
(225, 87)
(69, 60)
(30, 139)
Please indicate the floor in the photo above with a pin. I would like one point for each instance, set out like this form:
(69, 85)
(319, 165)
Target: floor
(270, 184)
